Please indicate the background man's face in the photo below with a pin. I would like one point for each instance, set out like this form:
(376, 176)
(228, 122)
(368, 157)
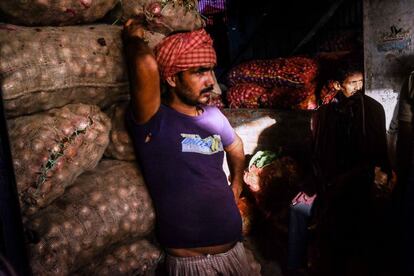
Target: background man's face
(352, 84)
(195, 85)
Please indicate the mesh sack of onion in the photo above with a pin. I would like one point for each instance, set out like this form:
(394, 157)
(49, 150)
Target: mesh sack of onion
(47, 67)
(56, 12)
(245, 95)
(280, 72)
(328, 92)
(130, 258)
(120, 144)
(104, 207)
(290, 98)
(163, 16)
(51, 149)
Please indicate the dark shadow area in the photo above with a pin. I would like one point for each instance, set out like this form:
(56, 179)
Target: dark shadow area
(375, 251)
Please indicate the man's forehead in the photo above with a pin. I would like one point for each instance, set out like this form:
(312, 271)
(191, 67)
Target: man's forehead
(201, 68)
(357, 76)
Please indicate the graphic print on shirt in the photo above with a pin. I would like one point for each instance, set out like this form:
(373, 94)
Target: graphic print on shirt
(194, 143)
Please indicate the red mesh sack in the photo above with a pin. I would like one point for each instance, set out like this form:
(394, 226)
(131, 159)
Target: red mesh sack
(215, 100)
(290, 72)
(287, 97)
(245, 95)
(328, 92)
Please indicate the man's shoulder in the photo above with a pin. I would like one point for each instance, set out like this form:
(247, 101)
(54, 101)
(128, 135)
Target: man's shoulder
(372, 102)
(211, 110)
(325, 108)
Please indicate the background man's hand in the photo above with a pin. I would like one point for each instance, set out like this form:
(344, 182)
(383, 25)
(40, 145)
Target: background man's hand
(383, 179)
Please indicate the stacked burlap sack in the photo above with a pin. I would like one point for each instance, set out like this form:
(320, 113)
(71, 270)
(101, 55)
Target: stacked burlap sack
(287, 83)
(105, 207)
(86, 214)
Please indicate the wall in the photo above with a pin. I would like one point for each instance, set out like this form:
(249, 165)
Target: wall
(269, 129)
(389, 52)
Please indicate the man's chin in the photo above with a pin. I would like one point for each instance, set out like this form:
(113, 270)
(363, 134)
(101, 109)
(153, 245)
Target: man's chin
(204, 98)
(356, 93)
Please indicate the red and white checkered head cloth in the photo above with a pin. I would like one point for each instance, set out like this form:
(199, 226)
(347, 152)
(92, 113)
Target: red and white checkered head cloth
(180, 52)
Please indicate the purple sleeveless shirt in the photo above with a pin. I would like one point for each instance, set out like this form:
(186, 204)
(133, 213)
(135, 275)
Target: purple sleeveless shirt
(181, 159)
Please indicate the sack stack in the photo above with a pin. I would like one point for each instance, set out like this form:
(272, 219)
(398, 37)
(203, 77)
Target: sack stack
(61, 75)
(287, 83)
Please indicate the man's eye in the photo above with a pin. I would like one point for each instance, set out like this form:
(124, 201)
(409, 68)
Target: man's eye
(201, 72)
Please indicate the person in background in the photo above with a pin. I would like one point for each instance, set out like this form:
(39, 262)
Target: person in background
(404, 192)
(180, 145)
(349, 154)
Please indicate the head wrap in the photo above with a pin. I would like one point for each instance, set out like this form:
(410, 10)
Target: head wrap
(180, 52)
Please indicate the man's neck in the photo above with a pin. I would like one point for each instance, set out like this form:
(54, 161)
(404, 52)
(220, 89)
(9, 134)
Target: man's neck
(186, 109)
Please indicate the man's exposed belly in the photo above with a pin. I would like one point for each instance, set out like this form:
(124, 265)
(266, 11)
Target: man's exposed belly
(200, 251)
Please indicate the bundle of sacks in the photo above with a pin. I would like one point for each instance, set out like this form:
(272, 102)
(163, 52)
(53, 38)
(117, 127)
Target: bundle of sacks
(287, 83)
(65, 90)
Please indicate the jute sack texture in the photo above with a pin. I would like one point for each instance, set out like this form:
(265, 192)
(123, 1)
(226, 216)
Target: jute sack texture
(161, 16)
(44, 68)
(130, 259)
(56, 12)
(120, 144)
(51, 149)
(104, 207)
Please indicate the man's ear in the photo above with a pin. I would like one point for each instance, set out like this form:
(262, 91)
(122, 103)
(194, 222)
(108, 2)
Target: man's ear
(337, 85)
(172, 81)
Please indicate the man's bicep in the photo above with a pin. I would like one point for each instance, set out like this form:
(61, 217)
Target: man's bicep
(236, 145)
(145, 88)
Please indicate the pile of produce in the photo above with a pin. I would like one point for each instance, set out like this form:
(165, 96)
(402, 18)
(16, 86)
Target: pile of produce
(104, 207)
(51, 149)
(245, 95)
(310, 103)
(287, 97)
(163, 16)
(284, 83)
(84, 214)
(273, 181)
(328, 92)
(48, 67)
(129, 259)
(215, 100)
(290, 72)
(120, 144)
(56, 12)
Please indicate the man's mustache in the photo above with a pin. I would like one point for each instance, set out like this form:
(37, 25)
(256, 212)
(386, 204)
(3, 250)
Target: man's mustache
(207, 89)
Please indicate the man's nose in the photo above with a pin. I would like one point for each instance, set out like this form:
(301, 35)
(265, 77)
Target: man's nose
(209, 81)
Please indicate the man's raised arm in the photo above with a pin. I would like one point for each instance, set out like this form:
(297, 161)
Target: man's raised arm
(143, 73)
